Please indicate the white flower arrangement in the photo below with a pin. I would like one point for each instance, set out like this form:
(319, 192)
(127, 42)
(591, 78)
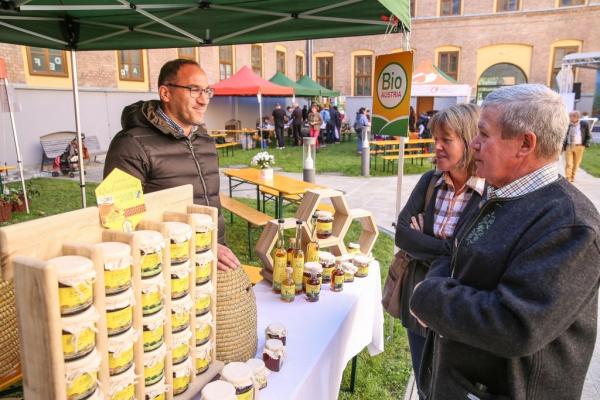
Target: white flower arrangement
(263, 160)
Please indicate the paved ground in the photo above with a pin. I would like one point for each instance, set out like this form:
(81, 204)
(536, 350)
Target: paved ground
(379, 195)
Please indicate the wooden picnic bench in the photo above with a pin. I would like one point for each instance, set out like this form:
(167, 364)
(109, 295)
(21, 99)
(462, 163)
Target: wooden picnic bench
(391, 160)
(255, 218)
(54, 144)
(226, 146)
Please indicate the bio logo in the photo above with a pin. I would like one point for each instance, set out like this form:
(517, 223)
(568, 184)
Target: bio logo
(391, 85)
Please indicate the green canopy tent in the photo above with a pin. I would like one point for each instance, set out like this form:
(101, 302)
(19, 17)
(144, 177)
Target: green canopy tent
(78, 25)
(299, 90)
(323, 91)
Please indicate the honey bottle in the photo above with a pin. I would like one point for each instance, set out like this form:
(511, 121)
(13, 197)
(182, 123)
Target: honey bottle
(288, 287)
(298, 259)
(279, 260)
(337, 278)
(312, 247)
(290, 251)
(313, 288)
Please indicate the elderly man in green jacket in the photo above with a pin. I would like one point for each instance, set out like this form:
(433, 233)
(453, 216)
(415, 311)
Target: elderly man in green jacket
(512, 313)
(165, 144)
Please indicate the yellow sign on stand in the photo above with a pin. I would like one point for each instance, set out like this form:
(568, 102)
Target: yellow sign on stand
(391, 97)
(120, 201)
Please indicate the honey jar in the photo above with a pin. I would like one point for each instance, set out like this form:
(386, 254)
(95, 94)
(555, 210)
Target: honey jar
(327, 261)
(274, 354)
(119, 312)
(260, 372)
(324, 224)
(204, 229)
(181, 345)
(362, 264)
(349, 271)
(353, 248)
(156, 391)
(219, 390)
(182, 375)
(179, 235)
(151, 245)
(153, 335)
(180, 280)
(97, 395)
(154, 365)
(152, 294)
(337, 279)
(117, 266)
(203, 295)
(240, 376)
(75, 275)
(276, 330)
(122, 386)
(79, 334)
(120, 351)
(82, 376)
(313, 287)
(204, 266)
(311, 268)
(180, 313)
(203, 357)
(204, 325)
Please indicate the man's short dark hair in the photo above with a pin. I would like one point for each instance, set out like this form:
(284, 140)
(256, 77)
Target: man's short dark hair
(168, 72)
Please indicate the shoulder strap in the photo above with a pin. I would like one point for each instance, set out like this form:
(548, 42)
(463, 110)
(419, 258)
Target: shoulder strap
(429, 193)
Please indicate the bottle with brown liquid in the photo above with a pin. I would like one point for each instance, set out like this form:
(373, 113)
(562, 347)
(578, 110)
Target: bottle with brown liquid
(298, 259)
(290, 251)
(337, 279)
(313, 287)
(312, 247)
(288, 287)
(279, 260)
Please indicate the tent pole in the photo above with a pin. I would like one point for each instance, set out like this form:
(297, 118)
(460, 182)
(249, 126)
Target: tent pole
(260, 121)
(18, 149)
(78, 127)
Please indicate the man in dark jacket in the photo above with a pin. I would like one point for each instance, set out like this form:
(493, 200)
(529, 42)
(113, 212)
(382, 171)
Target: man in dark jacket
(297, 124)
(279, 120)
(165, 144)
(512, 313)
(577, 139)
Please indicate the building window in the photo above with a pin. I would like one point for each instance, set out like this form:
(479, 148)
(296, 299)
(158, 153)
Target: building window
(449, 7)
(448, 63)
(280, 56)
(325, 72)
(256, 55)
(362, 75)
(131, 67)
(47, 62)
(497, 76)
(557, 57)
(412, 8)
(507, 5)
(189, 53)
(568, 3)
(225, 62)
(299, 67)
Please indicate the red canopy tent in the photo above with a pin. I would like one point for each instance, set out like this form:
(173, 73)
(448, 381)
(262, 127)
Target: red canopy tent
(246, 83)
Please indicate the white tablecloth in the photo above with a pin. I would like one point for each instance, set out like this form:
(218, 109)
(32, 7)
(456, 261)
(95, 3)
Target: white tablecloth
(322, 336)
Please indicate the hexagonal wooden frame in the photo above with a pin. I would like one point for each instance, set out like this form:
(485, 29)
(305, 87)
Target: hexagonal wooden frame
(268, 238)
(341, 217)
(369, 233)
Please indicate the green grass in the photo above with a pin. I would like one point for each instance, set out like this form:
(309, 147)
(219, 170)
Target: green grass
(591, 160)
(335, 158)
(381, 377)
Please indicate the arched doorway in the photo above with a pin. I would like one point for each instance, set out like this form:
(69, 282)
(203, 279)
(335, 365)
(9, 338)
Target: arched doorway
(497, 76)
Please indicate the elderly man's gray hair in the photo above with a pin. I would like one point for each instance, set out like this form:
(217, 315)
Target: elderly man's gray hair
(531, 108)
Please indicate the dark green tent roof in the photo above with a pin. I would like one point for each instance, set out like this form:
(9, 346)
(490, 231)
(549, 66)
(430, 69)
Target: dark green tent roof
(299, 90)
(124, 24)
(323, 91)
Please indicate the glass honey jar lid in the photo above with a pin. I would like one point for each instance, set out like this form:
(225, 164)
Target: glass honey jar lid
(150, 241)
(203, 222)
(178, 231)
(239, 375)
(219, 390)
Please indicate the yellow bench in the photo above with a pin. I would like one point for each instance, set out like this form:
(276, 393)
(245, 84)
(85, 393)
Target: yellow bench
(391, 160)
(251, 215)
(226, 146)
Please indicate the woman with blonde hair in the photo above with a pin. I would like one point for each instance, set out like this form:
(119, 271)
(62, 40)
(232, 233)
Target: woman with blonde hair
(442, 201)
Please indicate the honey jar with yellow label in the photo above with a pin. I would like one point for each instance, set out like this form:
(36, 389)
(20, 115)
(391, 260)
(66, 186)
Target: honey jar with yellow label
(203, 357)
(203, 297)
(120, 351)
(240, 376)
(153, 334)
(180, 313)
(204, 230)
(151, 244)
(152, 294)
(154, 365)
(79, 334)
(119, 312)
(122, 386)
(75, 275)
(204, 327)
(180, 280)
(81, 376)
(180, 235)
(204, 263)
(117, 266)
(180, 350)
(182, 376)
(361, 262)
(324, 224)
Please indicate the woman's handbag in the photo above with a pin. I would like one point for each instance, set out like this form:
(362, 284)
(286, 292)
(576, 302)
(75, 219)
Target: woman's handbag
(392, 288)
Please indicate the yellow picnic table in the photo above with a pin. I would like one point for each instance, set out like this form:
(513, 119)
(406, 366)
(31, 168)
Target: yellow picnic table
(283, 185)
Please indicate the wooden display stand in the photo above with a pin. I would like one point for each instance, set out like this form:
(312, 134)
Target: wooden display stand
(343, 217)
(36, 290)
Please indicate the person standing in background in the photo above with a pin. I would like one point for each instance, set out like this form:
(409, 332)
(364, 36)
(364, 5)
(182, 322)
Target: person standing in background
(279, 122)
(577, 139)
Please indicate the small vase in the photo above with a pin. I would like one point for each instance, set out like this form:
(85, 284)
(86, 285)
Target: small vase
(266, 173)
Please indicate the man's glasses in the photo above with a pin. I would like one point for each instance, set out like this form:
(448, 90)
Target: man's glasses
(195, 91)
